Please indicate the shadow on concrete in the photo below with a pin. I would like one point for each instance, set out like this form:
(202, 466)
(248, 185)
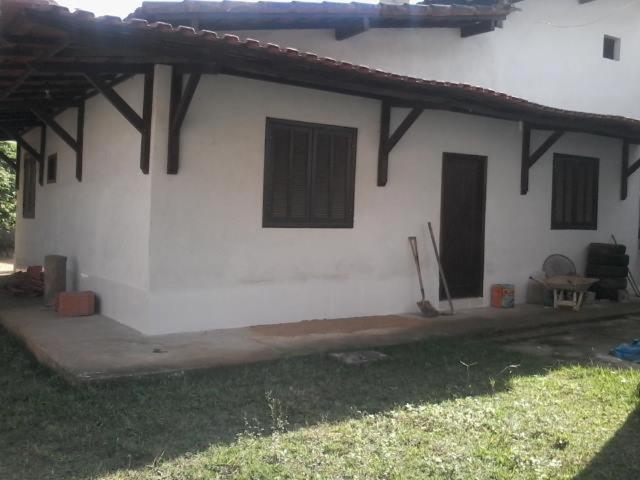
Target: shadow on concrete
(620, 457)
(49, 429)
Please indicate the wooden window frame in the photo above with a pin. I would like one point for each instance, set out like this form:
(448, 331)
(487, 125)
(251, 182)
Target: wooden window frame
(29, 176)
(52, 160)
(309, 222)
(593, 225)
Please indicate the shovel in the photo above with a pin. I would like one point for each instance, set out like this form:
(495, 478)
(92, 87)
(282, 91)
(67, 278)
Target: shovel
(425, 306)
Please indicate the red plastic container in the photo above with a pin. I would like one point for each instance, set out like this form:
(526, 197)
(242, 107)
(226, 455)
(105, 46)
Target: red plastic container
(503, 295)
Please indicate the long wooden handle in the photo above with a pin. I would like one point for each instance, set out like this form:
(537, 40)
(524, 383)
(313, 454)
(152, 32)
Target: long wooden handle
(440, 269)
(413, 241)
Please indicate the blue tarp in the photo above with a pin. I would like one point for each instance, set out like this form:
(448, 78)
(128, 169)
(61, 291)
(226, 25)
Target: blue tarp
(630, 352)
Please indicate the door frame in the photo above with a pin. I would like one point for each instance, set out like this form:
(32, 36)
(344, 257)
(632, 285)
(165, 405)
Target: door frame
(484, 160)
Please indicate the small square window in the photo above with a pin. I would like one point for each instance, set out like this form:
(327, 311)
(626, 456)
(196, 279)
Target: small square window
(611, 48)
(52, 168)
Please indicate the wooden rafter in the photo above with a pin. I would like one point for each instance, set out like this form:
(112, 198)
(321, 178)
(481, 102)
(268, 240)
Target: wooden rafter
(140, 123)
(529, 159)
(178, 108)
(30, 68)
(388, 142)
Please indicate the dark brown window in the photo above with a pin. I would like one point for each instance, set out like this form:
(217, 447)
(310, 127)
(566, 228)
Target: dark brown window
(29, 190)
(574, 202)
(309, 175)
(52, 168)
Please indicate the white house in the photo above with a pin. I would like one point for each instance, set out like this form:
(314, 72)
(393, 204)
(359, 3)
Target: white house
(199, 181)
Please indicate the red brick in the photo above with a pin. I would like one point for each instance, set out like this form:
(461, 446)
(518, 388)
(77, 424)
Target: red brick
(76, 304)
(34, 271)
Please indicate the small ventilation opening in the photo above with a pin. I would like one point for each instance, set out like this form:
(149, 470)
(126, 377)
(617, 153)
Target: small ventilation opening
(611, 48)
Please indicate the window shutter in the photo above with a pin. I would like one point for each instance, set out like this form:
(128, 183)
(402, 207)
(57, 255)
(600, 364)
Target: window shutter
(575, 192)
(286, 192)
(309, 175)
(300, 149)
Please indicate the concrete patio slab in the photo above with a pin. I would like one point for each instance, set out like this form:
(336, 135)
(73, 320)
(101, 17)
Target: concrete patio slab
(591, 342)
(96, 348)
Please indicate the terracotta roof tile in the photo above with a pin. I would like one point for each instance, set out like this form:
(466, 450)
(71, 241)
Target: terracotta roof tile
(358, 73)
(231, 7)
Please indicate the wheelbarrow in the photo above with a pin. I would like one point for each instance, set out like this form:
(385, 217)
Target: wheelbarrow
(569, 290)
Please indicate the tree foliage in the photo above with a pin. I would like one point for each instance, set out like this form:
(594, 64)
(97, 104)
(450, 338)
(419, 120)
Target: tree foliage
(7, 189)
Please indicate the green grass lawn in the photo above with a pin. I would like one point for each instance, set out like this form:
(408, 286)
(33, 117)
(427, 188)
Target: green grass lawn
(438, 409)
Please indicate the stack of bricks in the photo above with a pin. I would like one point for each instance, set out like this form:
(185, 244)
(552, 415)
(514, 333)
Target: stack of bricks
(75, 304)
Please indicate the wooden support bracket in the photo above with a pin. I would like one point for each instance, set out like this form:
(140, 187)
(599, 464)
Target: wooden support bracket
(8, 161)
(140, 123)
(22, 143)
(178, 108)
(56, 127)
(351, 29)
(627, 170)
(387, 142)
(529, 159)
(484, 26)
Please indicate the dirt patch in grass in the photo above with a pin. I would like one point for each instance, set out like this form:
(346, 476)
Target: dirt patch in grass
(342, 325)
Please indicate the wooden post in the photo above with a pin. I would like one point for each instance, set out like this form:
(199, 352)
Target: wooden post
(179, 106)
(524, 167)
(43, 147)
(147, 104)
(18, 164)
(79, 141)
(624, 174)
(383, 154)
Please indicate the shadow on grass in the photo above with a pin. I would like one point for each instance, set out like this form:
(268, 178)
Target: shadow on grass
(49, 429)
(620, 457)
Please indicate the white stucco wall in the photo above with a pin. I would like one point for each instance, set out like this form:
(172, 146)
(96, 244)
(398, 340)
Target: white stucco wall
(102, 223)
(212, 265)
(550, 52)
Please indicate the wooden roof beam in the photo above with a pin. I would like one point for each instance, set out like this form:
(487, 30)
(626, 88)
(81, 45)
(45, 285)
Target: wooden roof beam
(82, 67)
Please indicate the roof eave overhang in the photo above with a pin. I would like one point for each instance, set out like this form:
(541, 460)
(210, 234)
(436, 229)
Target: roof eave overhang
(109, 47)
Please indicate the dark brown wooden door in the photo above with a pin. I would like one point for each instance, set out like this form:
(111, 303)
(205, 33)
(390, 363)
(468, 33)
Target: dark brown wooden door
(462, 216)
